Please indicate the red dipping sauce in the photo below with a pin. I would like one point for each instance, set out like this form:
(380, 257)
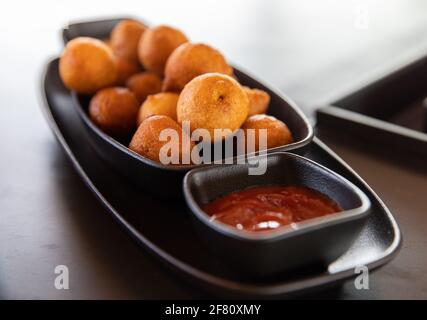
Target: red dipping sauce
(270, 207)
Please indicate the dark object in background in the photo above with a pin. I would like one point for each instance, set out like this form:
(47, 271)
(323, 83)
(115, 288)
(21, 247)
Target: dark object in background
(412, 116)
(389, 111)
(424, 116)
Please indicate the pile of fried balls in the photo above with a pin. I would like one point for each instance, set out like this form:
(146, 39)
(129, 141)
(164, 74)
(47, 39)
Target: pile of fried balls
(144, 80)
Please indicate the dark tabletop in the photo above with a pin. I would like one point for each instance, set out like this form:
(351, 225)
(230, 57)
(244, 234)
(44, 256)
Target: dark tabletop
(312, 51)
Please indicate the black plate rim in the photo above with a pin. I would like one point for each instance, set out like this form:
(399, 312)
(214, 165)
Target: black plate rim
(65, 29)
(368, 121)
(202, 277)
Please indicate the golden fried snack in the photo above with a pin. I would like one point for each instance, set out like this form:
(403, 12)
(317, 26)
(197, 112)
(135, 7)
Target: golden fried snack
(156, 45)
(258, 101)
(190, 60)
(213, 101)
(125, 38)
(143, 84)
(146, 140)
(163, 103)
(126, 69)
(278, 133)
(114, 110)
(87, 65)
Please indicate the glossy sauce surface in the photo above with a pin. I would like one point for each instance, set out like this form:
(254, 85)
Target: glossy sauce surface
(270, 207)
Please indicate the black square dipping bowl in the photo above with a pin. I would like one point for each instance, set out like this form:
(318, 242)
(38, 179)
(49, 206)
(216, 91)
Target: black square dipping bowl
(311, 242)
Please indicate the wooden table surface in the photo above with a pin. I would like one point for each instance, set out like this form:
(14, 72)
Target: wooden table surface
(312, 51)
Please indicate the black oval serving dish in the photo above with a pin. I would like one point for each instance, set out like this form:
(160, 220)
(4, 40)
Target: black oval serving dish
(316, 241)
(176, 242)
(177, 245)
(154, 176)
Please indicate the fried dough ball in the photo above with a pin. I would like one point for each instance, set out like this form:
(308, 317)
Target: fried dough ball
(213, 101)
(125, 38)
(87, 65)
(156, 45)
(163, 103)
(126, 69)
(146, 140)
(190, 60)
(278, 133)
(114, 110)
(143, 84)
(258, 101)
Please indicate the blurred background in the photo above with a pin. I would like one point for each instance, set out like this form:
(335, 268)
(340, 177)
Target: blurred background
(311, 50)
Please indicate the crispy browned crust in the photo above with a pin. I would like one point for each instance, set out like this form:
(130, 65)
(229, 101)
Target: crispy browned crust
(258, 101)
(163, 103)
(143, 84)
(146, 140)
(190, 60)
(278, 133)
(156, 45)
(114, 110)
(126, 69)
(125, 38)
(87, 65)
(213, 101)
